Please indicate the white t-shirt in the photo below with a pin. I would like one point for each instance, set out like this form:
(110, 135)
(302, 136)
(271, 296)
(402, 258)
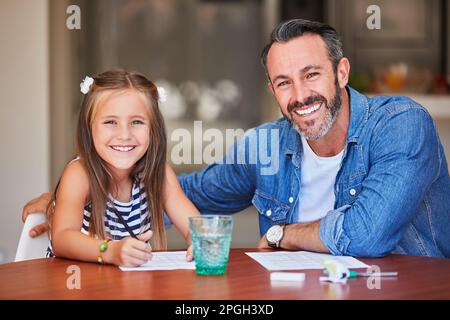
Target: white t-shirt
(316, 196)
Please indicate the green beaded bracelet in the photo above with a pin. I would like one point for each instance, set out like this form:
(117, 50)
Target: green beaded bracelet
(103, 246)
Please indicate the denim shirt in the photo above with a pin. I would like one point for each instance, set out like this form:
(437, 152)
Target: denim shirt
(392, 190)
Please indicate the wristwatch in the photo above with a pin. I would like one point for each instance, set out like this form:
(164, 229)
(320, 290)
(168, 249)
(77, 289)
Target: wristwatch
(274, 235)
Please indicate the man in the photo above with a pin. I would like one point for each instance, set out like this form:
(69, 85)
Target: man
(356, 176)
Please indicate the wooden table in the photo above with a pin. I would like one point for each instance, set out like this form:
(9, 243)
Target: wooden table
(419, 278)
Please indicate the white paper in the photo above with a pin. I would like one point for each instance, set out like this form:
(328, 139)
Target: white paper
(300, 260)
(173, 260)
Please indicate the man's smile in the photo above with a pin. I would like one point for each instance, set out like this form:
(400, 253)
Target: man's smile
(307, 110)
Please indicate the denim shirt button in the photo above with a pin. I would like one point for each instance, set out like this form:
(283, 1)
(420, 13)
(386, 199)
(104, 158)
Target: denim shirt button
(269, 212)
(352, 192)
(291, 199)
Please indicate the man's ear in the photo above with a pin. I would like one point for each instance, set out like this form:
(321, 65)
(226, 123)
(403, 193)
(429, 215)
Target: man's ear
(343, 71)
(270, 86)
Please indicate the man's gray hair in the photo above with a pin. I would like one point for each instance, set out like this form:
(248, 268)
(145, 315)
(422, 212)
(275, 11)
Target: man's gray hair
(291, 29)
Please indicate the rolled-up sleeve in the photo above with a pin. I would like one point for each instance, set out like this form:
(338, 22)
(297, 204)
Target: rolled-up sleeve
(331, 231)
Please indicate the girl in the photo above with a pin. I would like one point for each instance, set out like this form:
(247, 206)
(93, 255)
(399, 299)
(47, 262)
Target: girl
(120, 185)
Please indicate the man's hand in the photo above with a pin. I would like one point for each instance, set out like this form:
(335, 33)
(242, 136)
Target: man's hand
(38, 204)
(263, 244)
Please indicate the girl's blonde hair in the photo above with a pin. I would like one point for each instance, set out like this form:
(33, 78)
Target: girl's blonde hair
(150, 168)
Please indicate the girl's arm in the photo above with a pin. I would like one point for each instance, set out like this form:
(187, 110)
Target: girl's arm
(67, 239)
(177, 205)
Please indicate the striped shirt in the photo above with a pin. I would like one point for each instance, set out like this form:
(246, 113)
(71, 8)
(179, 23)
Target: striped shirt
(134, 212)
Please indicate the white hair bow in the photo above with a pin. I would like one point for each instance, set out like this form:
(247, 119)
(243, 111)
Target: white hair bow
(162, 94)
(86, 84)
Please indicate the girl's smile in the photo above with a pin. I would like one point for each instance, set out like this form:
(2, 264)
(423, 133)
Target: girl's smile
(123, 148)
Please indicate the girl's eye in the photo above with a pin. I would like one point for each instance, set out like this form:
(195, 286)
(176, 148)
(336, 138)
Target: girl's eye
(137, 122)
(110, 122)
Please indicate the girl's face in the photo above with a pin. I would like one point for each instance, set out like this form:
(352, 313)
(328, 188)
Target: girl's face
(120, 130)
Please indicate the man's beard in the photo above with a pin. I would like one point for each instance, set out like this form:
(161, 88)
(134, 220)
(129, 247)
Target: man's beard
(331, 111)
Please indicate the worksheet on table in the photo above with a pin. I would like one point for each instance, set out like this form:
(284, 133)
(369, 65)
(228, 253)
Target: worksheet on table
(297, 260)
(173, 260)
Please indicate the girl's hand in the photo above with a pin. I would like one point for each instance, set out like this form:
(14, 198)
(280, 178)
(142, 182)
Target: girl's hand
(189, 253)
(130, 252)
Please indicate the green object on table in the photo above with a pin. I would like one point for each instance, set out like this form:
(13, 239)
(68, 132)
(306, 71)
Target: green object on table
(352, 274)
(211, 238)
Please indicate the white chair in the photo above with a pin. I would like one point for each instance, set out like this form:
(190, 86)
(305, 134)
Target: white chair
(32, 248)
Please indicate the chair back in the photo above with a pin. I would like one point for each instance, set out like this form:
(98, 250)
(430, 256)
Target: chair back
(32, 248)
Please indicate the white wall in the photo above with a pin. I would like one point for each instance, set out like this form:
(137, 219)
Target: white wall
(24, 124)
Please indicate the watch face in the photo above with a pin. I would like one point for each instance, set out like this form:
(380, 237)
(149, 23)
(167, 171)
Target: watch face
(274, 233)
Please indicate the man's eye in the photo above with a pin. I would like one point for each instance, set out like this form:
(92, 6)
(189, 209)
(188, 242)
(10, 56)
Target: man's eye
(312, 75)
(282, 83)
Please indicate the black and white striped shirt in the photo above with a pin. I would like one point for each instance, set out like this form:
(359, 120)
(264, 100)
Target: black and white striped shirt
(134, 212)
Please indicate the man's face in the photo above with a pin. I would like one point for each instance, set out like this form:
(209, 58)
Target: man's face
(304, 84)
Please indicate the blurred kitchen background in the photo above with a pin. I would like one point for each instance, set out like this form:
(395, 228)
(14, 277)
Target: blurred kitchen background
(205, 53)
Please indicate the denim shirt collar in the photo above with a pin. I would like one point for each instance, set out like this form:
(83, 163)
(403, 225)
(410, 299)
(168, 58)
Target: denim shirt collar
(359, 113)
(294, 143)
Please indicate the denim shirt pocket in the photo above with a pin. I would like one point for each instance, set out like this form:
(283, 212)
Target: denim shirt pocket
(270, 207)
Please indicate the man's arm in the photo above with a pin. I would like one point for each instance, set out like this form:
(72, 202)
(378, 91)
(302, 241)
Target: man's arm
(38, 204)
(300, 236)
(219, 188)
(222, 188)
